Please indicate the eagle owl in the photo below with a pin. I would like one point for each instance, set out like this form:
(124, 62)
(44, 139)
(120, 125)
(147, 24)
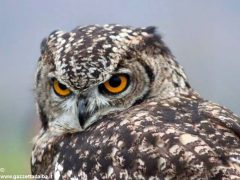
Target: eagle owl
(114, 104)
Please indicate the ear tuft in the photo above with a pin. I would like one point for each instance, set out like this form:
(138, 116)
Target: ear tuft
(151, 29)
(43, 45)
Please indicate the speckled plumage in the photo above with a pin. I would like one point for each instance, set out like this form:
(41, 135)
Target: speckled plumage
(158, 128)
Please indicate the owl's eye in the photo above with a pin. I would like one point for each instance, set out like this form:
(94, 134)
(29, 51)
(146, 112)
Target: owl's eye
(116, 84)
(60, 89)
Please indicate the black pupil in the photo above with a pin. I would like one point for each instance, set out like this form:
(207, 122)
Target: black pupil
(62, 86)
(115, 81)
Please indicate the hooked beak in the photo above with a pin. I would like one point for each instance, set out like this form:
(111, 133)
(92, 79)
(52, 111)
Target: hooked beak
(82, 112)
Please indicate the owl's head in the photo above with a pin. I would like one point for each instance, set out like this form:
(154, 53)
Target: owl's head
(94, 70)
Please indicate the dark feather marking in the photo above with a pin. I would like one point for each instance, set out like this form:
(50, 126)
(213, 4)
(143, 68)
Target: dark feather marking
(148, 70)
(140, 100)
(43, 118)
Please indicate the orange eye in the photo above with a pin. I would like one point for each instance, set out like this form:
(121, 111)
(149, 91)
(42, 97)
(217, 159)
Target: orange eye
(60, 89)
(116, 84)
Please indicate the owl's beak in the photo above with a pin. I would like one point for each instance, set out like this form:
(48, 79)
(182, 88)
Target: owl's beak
(82, 112)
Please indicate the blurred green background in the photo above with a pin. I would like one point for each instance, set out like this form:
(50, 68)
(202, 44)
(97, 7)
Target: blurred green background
(204, 36)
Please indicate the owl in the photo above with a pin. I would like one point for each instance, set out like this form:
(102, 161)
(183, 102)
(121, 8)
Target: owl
(115, 104)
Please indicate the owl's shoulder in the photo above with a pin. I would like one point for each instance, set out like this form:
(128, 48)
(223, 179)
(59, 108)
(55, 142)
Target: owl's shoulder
(179, 136)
